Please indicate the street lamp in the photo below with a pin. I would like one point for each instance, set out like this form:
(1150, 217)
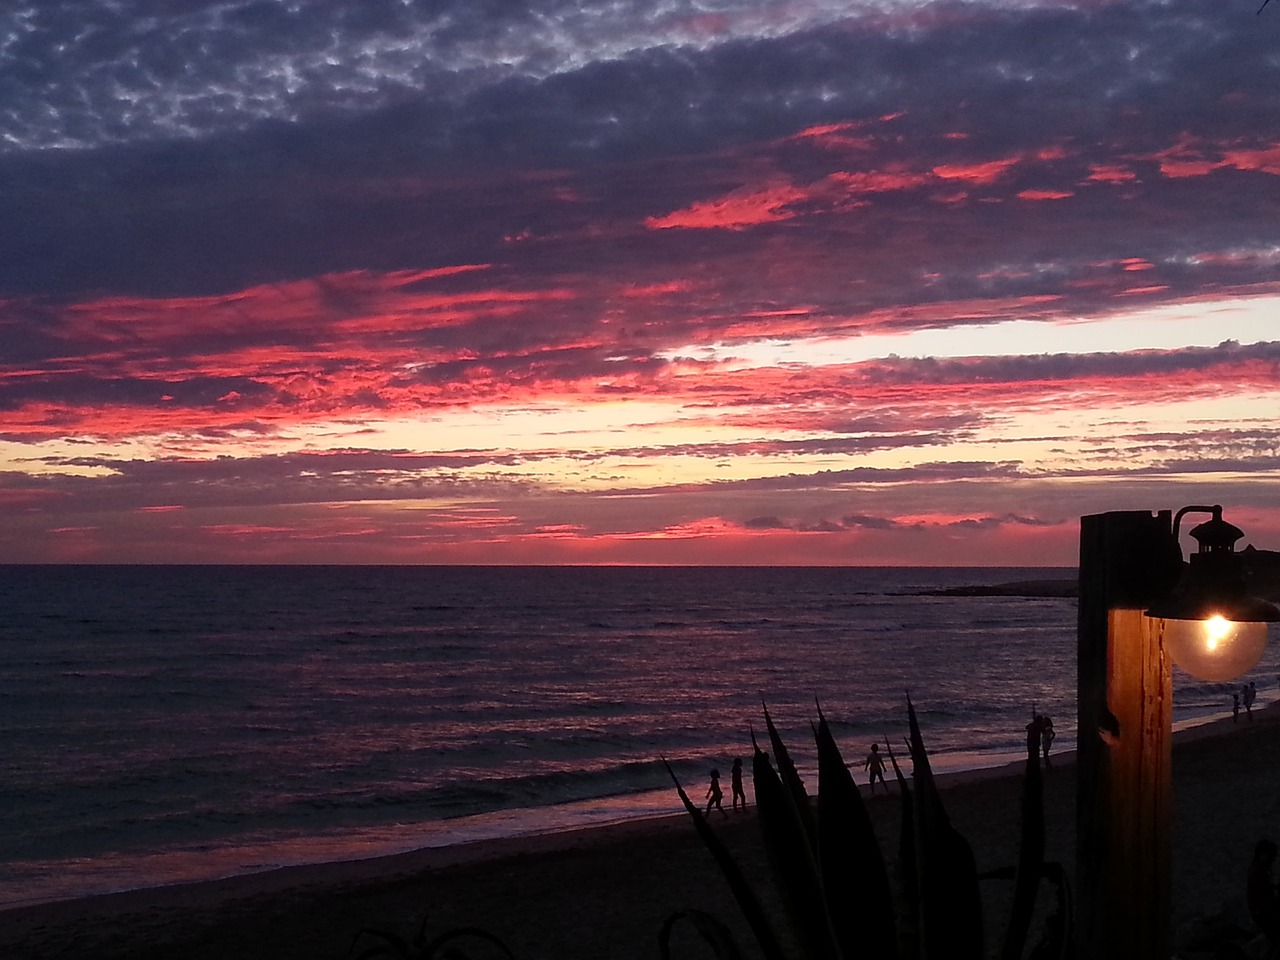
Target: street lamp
(1214, 630)
(1140, 607)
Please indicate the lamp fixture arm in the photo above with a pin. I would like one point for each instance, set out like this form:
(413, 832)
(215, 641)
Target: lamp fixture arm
(1216, 510)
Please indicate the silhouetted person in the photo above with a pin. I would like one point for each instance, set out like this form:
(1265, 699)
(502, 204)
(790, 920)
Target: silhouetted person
(735, 781)
(874, 765)
(1250, 694)
(1260, 892)
(715, 794)
(1046, 736)
(1235, 708)
(1035, 734)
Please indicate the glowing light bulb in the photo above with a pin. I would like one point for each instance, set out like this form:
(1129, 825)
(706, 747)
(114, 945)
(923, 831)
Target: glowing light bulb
(1216, 629)
(1215, 648)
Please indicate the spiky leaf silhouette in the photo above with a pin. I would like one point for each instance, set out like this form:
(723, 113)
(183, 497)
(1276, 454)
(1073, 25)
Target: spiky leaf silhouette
(950, 901)
(791, 780)
(1030, 867)
(746, 897)
(794, 866)
(714, 933)
(443, 945)
(909, 914)
(855, 879)
(941, 910)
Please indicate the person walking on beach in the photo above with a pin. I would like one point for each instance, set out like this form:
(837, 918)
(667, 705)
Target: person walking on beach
(1250, 692)
(735, 781)
(1046, 736)
(715, 794)
(874, 765)
(1235, 708)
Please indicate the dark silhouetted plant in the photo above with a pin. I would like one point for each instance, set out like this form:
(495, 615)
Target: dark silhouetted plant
(450, 945)
(834, 883)
(715, 933)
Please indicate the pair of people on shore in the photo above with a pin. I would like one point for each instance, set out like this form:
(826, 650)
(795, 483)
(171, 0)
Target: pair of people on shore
(715, 795)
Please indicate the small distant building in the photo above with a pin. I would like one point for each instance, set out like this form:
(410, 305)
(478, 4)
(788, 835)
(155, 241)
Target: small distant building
(1262, 572)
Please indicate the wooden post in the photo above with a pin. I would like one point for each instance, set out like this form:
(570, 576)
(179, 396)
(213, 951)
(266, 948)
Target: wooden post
(1124, 683)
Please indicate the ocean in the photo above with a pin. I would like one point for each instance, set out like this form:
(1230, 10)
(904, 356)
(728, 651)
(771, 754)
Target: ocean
(168, 724)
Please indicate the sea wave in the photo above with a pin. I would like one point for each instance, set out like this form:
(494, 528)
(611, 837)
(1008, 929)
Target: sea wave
(168, 721)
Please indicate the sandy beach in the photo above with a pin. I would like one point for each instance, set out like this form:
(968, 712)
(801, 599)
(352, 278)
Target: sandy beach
(605, 892)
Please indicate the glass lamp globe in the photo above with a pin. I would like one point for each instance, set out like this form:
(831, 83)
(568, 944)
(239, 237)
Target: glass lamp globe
(1215, 648)
(1213, 628)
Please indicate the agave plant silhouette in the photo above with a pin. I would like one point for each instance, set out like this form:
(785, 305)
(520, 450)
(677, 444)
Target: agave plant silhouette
(456, 944)
(833, 879)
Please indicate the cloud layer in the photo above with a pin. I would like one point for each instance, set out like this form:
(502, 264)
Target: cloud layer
(562, 281)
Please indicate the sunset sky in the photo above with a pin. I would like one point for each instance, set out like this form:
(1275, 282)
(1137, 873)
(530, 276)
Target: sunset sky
(640, 281)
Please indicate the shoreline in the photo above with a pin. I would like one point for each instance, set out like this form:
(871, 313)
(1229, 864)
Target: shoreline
(362, 844)
(605, 890)
(483, 839)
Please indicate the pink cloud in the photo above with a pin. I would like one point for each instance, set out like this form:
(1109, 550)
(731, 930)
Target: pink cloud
(747, 206)
(879, 181)
(1111, 173)
(1045, 194)
(1261, 159)
(979, 174)
(1193, 157)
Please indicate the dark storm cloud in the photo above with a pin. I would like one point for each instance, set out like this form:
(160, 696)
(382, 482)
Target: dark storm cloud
(865, 522)
(296, 478)
(967, 523)
(255, 141)
(342, 476)
(941, 472)
(1075, 367)
(765, 523)
(280, 466)
(84, 72)
(817, 446)
(1252, 443)
(194, 393)
(854, 521)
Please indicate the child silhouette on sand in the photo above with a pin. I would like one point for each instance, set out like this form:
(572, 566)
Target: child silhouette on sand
(715, 794)
(874, 765)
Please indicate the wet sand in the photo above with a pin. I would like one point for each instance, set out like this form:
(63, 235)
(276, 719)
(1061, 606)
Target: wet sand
(605, 892)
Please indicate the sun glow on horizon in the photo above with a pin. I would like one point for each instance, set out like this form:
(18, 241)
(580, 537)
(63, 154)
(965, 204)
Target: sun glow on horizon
(1168, 327)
